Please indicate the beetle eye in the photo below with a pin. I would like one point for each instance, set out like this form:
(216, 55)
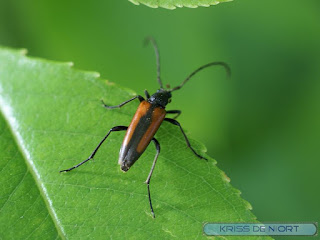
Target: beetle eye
(169, 101)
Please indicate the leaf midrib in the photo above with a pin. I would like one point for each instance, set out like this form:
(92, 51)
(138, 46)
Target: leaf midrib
(10, 121)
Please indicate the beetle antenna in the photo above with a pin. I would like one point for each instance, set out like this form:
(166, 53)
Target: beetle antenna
(151, 39)
(223, 64)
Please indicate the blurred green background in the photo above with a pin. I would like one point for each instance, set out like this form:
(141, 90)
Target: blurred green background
(262, 125)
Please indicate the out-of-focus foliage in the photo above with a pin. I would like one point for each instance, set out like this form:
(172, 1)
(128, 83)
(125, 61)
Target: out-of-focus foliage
(262, 126)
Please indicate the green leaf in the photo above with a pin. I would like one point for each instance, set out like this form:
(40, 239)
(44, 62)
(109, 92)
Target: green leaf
(23, 213)
(56, 120)
(172, 4)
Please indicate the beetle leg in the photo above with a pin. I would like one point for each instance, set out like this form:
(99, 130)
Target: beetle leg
(175, 122)
(114, 129)
(121, 104)
(178, 112)
(156, 143)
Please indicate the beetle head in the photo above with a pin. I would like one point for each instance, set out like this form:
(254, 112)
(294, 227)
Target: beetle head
(161, 98)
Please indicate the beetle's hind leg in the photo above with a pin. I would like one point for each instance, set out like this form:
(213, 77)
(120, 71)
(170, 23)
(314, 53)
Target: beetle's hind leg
(124, 103)
(175, 122)
(114, 129)
(157, 144)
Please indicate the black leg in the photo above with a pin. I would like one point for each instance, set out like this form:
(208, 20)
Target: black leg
(178, 112)
(114, 129)
(147, 94)
(175, 122)
(156, 143)
(121, 104)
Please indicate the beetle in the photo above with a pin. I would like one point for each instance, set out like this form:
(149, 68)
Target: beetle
(146, 121)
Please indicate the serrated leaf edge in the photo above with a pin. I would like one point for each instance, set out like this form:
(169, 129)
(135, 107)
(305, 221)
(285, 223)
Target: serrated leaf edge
(174, 6)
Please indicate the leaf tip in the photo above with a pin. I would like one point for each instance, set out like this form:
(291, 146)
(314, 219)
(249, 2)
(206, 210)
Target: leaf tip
(151, 5)
(70, 64)
(172, 7)
(96, 74)
(23, 51)
(248, 206)
(225, 177)
(93, 74)
(109, 83)
(134, 2)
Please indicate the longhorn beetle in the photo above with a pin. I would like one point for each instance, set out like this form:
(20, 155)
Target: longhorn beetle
(146, 121)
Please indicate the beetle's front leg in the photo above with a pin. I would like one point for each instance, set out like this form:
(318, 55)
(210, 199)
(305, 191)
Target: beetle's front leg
(121, 104)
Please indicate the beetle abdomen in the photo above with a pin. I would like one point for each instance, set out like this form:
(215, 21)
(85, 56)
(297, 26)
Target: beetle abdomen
(141, 130)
